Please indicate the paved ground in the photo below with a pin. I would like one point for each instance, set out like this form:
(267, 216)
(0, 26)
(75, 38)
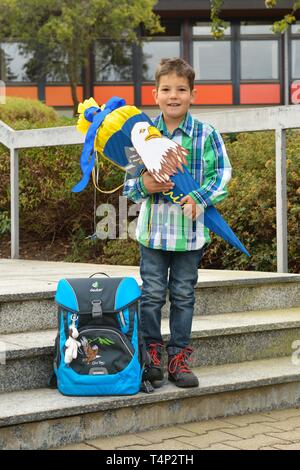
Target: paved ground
(275, 430)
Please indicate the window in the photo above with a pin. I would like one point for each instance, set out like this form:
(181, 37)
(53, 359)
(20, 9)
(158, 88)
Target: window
(259, 51)
(256, 29)
(296, 58)
(113, 61)
(154, 51)
(13, 62)
(296, 28)
(204, 29)
(259, 60)
(211, 60)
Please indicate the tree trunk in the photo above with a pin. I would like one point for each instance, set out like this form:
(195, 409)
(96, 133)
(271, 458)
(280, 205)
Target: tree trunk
(73, 85)
(72, 74)
(88, 90)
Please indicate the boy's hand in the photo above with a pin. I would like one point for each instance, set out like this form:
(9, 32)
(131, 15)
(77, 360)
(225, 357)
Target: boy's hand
(153, 186)
(190, 207)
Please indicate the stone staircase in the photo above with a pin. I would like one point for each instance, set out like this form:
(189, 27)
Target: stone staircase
(244, 334)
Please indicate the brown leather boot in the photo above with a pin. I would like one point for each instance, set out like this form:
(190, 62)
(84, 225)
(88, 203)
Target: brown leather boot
(179, 371)
(154, 371)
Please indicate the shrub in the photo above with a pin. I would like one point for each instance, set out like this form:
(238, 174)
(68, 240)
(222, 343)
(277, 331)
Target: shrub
(48, 208)
(250, 208)
(22, 113)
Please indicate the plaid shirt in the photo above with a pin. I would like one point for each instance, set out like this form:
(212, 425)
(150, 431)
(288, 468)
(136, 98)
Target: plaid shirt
(161, 224)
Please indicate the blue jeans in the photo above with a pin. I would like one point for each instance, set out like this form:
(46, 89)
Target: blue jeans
(154, 269)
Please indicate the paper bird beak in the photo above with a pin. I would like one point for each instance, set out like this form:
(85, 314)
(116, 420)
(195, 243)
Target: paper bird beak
(153, 133)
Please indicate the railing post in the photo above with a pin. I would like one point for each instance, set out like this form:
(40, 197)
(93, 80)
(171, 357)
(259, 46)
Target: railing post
(14, 202)
(281, 201)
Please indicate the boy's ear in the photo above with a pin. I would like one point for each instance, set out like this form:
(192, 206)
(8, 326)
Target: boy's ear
(154, 94)
(193, 94)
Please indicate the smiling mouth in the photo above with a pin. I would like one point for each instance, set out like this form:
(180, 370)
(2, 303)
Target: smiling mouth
(174, 105)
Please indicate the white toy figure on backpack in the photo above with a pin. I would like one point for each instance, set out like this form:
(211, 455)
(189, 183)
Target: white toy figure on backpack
(72, 345)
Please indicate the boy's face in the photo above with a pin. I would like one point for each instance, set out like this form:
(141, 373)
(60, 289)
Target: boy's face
(174, 96)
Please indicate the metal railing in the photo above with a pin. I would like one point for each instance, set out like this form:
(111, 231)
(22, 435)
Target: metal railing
(277, 118)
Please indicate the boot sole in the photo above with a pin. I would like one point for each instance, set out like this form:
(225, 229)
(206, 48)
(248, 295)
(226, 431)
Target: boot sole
(181, 384)
(158, 383)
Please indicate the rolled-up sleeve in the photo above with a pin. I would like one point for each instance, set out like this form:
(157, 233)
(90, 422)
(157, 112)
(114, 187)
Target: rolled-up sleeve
(217, 171)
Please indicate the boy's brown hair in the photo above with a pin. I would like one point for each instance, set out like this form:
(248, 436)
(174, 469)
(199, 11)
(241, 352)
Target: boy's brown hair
(178, 66)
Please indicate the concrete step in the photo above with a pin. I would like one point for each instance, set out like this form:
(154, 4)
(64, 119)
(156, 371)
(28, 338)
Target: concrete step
(216, 339)
(27, 300)
(43, 418)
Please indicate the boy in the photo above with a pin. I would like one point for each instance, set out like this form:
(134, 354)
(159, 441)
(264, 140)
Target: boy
(172, 237)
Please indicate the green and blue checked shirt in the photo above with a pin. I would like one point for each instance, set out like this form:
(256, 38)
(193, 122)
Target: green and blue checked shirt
(161, 224)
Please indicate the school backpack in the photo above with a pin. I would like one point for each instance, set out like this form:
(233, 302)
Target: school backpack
(99, 348)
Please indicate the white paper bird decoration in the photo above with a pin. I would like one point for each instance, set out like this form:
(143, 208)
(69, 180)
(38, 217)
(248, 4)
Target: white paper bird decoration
(162, 157)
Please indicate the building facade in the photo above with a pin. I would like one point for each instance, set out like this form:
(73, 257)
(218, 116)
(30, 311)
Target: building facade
(249, 66)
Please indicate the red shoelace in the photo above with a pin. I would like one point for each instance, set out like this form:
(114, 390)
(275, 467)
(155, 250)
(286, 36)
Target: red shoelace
(180, 361)
(153, 351)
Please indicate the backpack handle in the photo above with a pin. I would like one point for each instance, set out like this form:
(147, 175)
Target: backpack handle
(99, 273)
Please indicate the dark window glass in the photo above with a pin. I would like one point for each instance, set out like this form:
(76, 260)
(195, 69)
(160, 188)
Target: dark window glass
(172, 28)
(153, 52)
(212, 60)
(59, 75)
(296, 58)
(259, 60)
(113, 61)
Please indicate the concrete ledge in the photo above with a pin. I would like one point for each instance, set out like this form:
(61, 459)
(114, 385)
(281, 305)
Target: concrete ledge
(24, 279)
(58, 432)
(42, 419)
(42, 342)
(216, 340)
(37, 405)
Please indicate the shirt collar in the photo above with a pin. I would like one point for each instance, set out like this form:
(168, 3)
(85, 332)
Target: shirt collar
(186, 125)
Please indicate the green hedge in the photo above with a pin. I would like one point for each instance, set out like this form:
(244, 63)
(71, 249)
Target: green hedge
(50, 212)
(251, 206)
(48, 209)
(21, 113)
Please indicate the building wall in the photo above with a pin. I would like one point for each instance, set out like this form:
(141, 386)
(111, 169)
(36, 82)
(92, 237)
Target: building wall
(247, 67)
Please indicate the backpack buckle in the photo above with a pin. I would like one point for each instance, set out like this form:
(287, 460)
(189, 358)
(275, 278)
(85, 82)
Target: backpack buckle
(97, 308)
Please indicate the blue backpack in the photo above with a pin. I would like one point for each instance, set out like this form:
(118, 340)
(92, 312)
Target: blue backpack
(99, 349)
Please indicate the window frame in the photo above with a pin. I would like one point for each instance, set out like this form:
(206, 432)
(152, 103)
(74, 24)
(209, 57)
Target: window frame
(292, 78)
(260, 37)
(209, 37)
(292, 37)
(262, 80)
